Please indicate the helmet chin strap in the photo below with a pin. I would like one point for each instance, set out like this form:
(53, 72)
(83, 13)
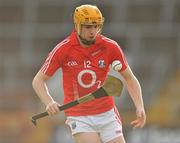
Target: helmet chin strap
(86, 42)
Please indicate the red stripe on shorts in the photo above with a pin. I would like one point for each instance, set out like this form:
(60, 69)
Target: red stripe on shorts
(118, 117)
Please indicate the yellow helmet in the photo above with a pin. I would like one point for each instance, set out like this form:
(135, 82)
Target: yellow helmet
(87, 14)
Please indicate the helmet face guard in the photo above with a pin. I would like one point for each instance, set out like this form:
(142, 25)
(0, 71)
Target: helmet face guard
(87, 15)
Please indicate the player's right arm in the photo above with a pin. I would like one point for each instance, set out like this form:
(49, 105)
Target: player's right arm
(50, 66)
(40, 87)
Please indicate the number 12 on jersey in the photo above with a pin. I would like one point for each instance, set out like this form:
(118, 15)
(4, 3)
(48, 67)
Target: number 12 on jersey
(87, 64)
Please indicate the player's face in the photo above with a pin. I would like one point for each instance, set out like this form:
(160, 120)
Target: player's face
(89, 32)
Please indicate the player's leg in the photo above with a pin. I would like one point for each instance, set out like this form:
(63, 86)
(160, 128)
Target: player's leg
(112, 133)
(119, 139)
(110, 126)
(90, 137)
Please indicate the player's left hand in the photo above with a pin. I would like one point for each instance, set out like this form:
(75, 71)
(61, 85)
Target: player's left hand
(140, 120)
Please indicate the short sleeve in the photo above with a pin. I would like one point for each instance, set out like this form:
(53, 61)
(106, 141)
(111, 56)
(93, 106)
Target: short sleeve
(55, 58)
(117, 54)
(51, 64)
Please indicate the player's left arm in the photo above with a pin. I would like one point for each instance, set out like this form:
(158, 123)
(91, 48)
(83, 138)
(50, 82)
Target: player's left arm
(134, 89)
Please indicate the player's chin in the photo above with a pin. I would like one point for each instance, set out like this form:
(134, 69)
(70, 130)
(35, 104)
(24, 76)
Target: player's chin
(91, 38)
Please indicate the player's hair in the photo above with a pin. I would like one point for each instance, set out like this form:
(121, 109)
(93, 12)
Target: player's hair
(89, 15)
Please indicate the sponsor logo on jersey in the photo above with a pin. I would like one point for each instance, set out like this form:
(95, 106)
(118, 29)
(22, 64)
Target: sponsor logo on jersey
(95, 53)
(101, 63)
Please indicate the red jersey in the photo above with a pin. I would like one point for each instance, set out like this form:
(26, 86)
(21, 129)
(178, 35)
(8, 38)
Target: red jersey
(84, 71)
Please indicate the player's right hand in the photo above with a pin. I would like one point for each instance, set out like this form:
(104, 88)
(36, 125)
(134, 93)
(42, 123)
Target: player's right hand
(52, 108)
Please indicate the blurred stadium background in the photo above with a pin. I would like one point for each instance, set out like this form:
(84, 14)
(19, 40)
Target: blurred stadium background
(147, 30)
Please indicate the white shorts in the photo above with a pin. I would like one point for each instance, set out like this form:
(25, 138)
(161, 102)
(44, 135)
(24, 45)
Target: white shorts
(108, 124)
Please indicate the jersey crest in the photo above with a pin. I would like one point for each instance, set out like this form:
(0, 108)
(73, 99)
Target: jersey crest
(101, 64)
